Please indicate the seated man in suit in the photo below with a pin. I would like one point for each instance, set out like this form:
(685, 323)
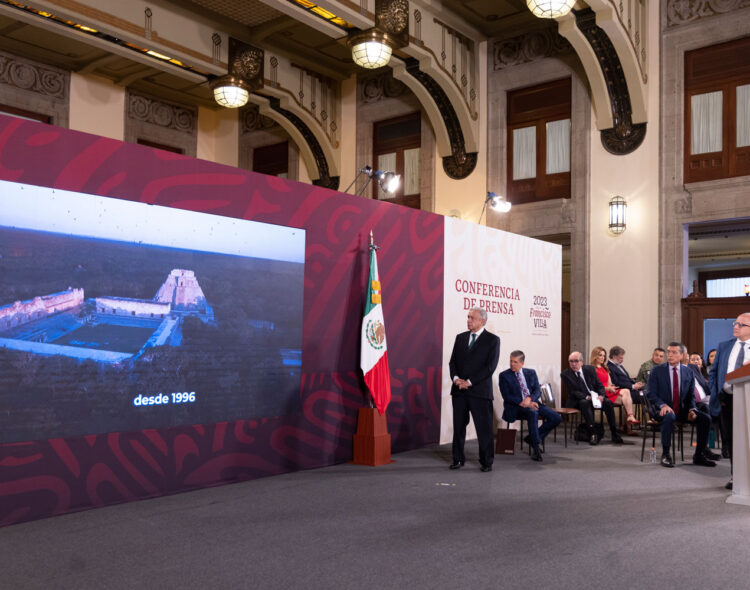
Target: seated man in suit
(657, 358)
(671, 393)
(521, 394)
(620, 376)
(581, 381)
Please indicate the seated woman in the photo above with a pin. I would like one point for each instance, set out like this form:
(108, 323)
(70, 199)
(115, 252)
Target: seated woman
(697, 360)
(619, 397)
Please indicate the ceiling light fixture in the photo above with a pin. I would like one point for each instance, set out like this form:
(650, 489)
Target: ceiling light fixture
(370, 49)
(373, 47)
(245, 75)
(230, 92)
(550, 8)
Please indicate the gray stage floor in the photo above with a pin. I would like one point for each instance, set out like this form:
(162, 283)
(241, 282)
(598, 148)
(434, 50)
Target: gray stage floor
(587, 517)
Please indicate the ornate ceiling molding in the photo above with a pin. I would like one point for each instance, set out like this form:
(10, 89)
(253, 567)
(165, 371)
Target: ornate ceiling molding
(528, 48)
(324, 177)
(682, 12)
(377, 88)
(251, 120)
(623, 137)
(162, 114)
(460, 163)
(32, 77)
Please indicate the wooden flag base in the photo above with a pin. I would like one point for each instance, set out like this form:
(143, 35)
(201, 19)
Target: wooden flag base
(372, 443)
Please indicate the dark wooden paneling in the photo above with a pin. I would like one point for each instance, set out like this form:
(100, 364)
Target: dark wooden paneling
(697, 309)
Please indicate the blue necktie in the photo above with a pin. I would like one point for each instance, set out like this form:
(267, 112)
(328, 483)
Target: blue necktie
(740, 357)
(524, 390)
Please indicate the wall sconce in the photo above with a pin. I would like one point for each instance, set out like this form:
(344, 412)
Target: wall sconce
(550, 8)
(245, 75)
(372, 48)
(496, 202)
(388, 181)
(617, 210)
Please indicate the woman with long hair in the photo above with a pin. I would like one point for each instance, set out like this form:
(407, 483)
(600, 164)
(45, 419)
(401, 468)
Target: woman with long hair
(619, 397)
(697, 360)
(710, 359)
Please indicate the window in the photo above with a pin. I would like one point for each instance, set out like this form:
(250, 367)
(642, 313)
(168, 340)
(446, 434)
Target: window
(272, 159)
(24, 114)
(539, 142)
(396, 148)
(160, 146)
(717, 111)
(724, 283)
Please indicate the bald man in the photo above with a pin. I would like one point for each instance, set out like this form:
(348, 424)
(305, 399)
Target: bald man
(730, 355)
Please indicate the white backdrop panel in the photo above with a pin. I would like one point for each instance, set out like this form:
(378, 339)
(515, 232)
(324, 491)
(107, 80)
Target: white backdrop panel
(518, 280)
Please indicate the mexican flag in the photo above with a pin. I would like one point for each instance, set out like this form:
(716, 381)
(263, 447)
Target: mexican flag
(374, 359)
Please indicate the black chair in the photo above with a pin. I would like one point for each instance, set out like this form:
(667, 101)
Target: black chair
(653, 426)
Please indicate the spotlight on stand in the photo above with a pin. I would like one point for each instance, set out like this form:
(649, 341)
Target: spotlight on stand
(497, 202)
(388, 181)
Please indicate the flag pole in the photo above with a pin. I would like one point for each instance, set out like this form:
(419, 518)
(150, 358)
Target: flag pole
(370, 398)
(371, 442)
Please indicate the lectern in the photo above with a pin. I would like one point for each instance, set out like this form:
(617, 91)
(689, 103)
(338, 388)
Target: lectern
(740, 379)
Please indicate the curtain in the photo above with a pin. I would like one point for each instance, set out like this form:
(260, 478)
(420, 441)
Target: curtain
(727, 287)
(558, 146)
(743, 115)
(706, 122)
(524, 153)
(386, 163)
(411, 171)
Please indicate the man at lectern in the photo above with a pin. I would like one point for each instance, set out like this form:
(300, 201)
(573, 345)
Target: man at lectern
(522, 400)
(472, 363)
(730, 355)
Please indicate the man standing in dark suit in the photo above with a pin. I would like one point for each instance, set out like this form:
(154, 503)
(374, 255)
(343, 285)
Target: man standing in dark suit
(671, 393)
(582, 384)
(521, 394)
(472, 363)
(730, 356)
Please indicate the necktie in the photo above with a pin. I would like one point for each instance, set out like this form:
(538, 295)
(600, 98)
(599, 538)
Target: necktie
(675, 390)
(522, 383)
(740, 357)
(697, 395)
(473, 338)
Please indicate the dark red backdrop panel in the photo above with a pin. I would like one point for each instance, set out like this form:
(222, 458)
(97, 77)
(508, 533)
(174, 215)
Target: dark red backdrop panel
(43, 478)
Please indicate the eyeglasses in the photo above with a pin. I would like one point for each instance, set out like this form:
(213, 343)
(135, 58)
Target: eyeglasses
(575, 361)
(740, 325)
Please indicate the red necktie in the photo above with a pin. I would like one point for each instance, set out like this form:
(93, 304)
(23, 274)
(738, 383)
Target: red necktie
(675, 390)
